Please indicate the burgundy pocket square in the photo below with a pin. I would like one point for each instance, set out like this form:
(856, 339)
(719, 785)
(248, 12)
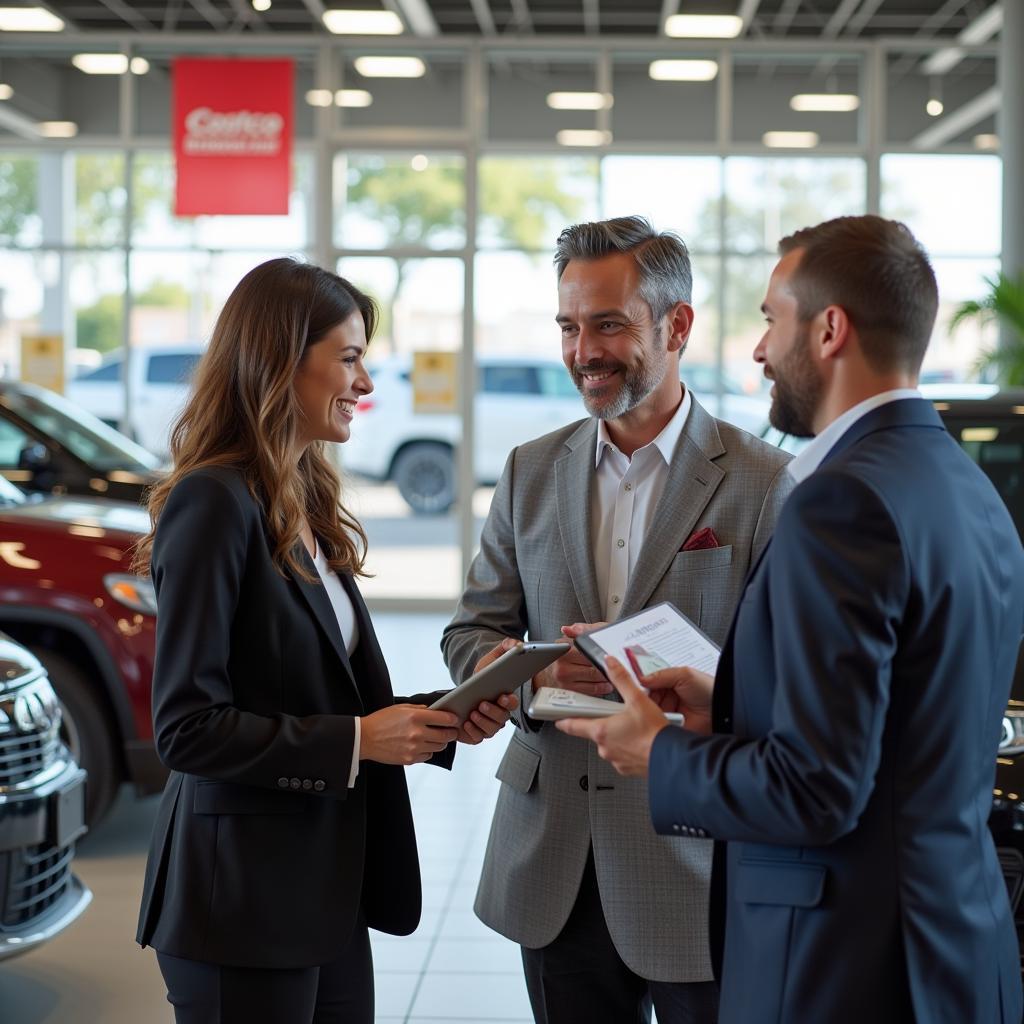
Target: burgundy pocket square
(700, 540)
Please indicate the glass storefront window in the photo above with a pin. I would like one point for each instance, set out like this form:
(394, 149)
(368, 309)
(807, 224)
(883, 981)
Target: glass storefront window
(100, 198)
(20, 223)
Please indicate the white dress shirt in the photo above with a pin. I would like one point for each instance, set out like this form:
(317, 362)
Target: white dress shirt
(346, 616)
(625, 496)
(811, 457)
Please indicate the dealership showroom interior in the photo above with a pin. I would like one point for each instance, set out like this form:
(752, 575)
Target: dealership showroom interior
(534, 218)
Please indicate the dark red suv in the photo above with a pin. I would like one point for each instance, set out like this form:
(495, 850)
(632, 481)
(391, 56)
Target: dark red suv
(67, 593)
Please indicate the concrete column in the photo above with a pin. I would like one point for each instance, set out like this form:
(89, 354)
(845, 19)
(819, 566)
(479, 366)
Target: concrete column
(1010, 126)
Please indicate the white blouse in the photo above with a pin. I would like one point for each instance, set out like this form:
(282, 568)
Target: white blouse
(346, 616)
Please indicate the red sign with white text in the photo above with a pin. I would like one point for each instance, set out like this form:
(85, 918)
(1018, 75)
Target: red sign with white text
(232, 135)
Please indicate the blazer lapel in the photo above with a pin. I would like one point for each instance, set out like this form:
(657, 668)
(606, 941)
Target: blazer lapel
(320, 604)
(692, 480)
(574, 482)
(374, 679)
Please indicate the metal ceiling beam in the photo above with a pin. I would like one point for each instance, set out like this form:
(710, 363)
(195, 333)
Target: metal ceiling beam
(210, 13)
(171, 13)
(591, 17)
(780, 26)
(131, 17)
(668, 8)
(416, 14)
(484, 17)
(956, 123)
(860, 20)
(746, 12)
(317, 9)
(16, 122)
(981, 30)
(931, 25)
(839, 18)
(521, 13)
(244, 13)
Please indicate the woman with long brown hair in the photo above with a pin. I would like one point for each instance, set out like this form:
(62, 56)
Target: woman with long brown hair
(284, 831)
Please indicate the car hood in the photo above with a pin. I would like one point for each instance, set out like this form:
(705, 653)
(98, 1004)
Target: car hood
(84, 512)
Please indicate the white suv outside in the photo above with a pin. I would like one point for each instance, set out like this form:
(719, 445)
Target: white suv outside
(518, 398)
(160, 383)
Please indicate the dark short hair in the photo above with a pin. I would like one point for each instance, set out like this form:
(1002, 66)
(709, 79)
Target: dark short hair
(661, 257)
(879, 274)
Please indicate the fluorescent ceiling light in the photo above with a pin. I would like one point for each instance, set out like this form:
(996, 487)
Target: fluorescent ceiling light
(261, 5)
(390, 67)
(29, 19)
(363, 23)
(101, 63)
(683, 70)
(583, 137)
(703, 26)
(986, 141)
(57, 129)
(580, 100)
(6, 92)
(790, 140)
(352, 98)
(138, 65)
(319, 97)
(838, 102)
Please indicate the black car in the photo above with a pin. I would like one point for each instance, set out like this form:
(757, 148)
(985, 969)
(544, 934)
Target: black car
(49, 445)
(989, 425)
(42, 808)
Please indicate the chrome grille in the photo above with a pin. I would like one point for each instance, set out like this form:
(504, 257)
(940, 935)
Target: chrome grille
(37, 877)
(25, 755)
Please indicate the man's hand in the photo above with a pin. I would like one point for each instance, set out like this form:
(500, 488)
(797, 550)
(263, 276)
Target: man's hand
(625, 738)
(684, 690)
(487, 719)
(573, 671)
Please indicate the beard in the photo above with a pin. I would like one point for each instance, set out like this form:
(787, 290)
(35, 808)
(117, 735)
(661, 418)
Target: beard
(623, 392)
(798, 389)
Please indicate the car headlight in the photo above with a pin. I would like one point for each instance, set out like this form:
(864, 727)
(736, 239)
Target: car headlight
(1012, 739)
(135, 592)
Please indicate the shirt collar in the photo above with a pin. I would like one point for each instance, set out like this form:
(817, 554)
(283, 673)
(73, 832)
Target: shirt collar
(665, 442)
(811, 457)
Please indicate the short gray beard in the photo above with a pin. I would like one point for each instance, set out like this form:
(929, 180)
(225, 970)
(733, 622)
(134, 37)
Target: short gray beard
(637, 383)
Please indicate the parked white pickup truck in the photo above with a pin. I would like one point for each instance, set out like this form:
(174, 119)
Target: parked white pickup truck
(159, 385)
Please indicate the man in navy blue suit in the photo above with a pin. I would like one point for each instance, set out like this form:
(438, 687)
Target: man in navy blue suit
(845, 750)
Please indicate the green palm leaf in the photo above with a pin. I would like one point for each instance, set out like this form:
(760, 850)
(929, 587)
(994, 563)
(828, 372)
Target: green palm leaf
(1004, 302)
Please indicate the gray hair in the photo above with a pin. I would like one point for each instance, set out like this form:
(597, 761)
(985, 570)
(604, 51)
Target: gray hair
(661, 257)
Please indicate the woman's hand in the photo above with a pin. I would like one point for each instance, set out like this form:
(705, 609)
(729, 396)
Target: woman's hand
(487, 719)
(405, 734)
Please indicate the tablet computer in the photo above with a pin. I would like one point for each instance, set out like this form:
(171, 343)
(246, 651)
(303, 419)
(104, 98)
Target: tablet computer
(504, 675)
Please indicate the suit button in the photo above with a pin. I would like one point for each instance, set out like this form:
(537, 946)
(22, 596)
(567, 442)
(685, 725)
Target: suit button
(675, 828)
(307, 783)
(319, 785)
(282, 783)
(584, 783)
(702, 833)
(295, 784)
(727, 721)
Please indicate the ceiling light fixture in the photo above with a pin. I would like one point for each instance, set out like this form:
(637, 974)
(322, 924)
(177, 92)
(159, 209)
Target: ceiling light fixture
(986, 140)
(352, 98)
(29, 19)
(832, 102)
(934, 107)
(101, 63)
(57, 129)
(790, 140)
(6, 92)
(261, 5)
(319, 97)
(580, 100)
(138, 66)
(683, 70)
(363, 23)
(703, 26)
(390, 67)
(420, 162)
(583, 137)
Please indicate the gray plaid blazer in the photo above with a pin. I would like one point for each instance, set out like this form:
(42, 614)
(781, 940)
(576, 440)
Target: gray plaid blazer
(534, 574)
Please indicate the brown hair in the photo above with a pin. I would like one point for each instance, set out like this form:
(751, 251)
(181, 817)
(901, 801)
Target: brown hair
(242, 410)
(881, 276)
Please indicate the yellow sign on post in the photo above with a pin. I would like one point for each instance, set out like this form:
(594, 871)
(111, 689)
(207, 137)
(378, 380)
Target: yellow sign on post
(434, 382)
(42, 360)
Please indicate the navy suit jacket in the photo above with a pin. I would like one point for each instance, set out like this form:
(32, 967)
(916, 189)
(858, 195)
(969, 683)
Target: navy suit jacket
(261, 855)
(858, 704)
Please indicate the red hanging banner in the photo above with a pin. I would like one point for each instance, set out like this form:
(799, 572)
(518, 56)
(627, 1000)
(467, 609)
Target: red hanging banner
(232, 135)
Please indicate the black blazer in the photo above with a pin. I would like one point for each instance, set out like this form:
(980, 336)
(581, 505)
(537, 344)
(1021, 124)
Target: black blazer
(863, 684)
(261, 855)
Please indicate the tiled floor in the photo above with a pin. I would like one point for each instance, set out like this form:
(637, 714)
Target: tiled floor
(452, 969)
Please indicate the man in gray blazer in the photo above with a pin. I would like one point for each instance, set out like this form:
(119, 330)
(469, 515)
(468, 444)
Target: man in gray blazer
(650, 499)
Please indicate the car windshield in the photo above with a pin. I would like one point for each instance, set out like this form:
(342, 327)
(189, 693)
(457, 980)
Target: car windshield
(99, 446)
